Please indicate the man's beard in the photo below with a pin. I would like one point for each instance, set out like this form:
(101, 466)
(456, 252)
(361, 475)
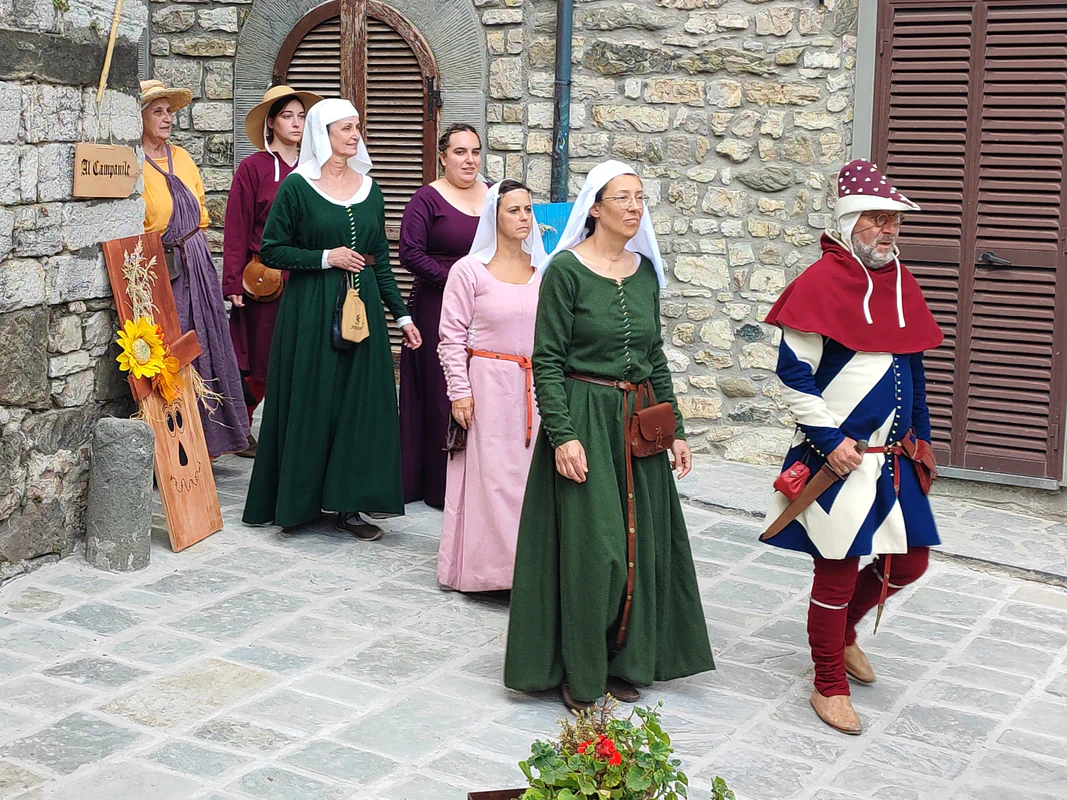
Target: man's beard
(868, 254)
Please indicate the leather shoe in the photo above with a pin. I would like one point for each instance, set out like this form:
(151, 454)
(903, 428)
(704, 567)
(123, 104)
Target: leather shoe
(857, 665)
(358, 527)
(570, 702)
(837, 712)
(250, 451)
(623, 691)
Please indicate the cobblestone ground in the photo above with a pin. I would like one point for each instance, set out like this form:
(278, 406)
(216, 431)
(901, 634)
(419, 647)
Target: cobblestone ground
(305, 666)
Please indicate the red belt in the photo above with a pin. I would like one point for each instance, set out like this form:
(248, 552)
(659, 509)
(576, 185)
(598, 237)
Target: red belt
(527, 367)
(631, 518)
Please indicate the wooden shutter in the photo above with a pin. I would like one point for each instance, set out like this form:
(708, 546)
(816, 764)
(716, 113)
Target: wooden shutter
(401, 138)
(925, 70)
(972, 98)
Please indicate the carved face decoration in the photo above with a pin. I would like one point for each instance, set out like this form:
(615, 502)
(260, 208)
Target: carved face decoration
(182, 454)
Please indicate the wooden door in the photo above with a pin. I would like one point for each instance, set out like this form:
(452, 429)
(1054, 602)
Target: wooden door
(390, 80)
(971, 123)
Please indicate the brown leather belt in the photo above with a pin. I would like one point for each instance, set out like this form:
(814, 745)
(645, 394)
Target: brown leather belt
(626, 387)
(527, 367)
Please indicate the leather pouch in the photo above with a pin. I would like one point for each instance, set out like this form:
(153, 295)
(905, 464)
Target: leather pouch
(260, 282)
(793, 480)
(652, 428)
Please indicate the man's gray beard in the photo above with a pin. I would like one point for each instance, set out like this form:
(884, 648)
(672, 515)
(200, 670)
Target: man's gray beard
(868, 254)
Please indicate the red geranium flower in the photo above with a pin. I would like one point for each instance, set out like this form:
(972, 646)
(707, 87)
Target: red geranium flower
(583, 747)
(616, 759)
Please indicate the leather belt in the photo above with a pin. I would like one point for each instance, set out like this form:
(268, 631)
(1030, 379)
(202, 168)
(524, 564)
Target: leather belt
(527, 367)
(626, 387)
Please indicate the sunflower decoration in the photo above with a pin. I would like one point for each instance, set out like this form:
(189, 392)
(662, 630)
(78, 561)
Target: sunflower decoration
(142, 348)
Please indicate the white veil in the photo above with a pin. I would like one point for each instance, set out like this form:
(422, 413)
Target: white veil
(315, 149)
(644, 242)
(484, 246)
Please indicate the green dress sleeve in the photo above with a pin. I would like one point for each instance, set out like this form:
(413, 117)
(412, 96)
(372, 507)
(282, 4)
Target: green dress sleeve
(383, 273)
(662, 383)
(284, 220)
(552, 336)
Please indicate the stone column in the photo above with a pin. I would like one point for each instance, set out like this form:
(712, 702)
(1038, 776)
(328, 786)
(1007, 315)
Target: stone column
(119, 516)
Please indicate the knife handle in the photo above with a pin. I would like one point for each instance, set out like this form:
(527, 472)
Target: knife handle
(861, 446)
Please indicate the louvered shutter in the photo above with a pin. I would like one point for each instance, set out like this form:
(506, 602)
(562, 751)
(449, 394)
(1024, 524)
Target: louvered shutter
(973, 96)
(926, 59)
(400, 141)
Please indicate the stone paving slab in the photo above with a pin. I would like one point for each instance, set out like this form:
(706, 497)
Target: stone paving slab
(258, 665)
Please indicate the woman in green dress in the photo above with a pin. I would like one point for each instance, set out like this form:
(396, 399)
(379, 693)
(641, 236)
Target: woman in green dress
(600, 604)
(330, 437)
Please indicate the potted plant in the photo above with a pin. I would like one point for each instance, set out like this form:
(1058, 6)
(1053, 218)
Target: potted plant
(601, 757)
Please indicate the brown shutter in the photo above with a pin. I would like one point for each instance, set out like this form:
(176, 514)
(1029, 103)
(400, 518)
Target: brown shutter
(973, 97)
(924, 73)
(1016, 361)
(400, 139)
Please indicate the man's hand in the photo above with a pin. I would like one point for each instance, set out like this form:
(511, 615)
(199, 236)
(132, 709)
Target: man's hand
(845, 459)
(570, 461)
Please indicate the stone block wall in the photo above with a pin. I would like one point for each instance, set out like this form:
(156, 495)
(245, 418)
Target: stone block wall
(57, 369)
(737, 114)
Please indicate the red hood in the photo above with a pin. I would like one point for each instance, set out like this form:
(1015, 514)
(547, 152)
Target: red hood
(828, 299)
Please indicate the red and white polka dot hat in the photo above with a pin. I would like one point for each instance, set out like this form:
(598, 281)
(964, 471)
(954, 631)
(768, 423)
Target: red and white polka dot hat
(862, 187)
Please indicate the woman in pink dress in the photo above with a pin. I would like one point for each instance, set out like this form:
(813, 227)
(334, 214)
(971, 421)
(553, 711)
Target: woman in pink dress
(487, 333)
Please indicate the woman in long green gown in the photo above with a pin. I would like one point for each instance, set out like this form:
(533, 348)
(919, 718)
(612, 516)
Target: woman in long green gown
(329, 438)
(598, 316)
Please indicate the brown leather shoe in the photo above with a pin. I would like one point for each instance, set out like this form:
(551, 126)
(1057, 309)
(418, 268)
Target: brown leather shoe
(623, 691)
(570, 702)
(857, 665)
(837, 712)
(250, 451)
(358, 527)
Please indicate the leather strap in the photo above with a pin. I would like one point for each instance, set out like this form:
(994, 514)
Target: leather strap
(527, 367)
(626, 387)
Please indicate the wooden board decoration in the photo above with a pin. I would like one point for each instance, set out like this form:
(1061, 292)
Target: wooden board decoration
(183, 468)
(104, 170)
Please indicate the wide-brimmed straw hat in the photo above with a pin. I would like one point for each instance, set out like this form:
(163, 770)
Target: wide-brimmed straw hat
(154, 90)
(256, 119)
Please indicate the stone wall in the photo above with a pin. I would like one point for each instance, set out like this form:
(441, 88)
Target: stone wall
(738, 115)
(57, 373)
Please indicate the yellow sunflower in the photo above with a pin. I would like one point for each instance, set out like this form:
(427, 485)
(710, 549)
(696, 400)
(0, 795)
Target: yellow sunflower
(142, 348)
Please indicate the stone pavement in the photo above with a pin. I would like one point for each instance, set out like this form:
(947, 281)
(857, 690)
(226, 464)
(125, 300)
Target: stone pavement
(261, 665)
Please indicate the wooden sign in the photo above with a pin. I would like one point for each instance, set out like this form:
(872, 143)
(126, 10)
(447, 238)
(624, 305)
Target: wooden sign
(183, 468)
(104, 170)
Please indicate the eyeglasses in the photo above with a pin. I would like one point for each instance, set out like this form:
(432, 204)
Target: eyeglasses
(881, 220)
(625, 201)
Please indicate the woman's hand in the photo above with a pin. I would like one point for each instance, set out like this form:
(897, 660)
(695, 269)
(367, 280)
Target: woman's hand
(412, 337)
(343, 258)
(236, 300)
(683, 457)
(463, 411)
(570, 461)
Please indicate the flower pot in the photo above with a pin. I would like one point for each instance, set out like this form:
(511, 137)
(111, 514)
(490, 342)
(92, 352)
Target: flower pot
(497, 794)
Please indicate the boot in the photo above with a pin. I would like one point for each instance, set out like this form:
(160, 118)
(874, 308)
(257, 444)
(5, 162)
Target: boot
(623, 691)
(358, 527)
(837, 712)
(570, 702)
(857, 665)
(250, 451)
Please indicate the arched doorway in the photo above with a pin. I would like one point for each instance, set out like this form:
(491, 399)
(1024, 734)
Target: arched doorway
(393, 82)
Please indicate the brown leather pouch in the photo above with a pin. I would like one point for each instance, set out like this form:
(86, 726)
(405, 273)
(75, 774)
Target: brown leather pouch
(652, 428)
(455, 438)
(922, 456)
(260, 282)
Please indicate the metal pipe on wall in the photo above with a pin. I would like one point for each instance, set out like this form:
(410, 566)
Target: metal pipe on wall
(561, 121)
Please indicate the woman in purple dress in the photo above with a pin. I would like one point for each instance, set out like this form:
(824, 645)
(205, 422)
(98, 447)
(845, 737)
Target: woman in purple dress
(275, 127)
(438, 229)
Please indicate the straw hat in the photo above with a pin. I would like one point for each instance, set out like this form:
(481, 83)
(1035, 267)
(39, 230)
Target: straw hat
(154, 90)
(256, 120)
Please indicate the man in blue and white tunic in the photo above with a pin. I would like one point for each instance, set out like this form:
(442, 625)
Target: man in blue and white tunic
(854, 328)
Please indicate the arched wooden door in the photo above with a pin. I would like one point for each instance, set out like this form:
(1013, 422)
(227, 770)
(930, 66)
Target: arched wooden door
(391, 81)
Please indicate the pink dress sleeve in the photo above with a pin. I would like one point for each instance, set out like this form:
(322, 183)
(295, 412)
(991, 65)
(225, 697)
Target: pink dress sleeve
(457, 316)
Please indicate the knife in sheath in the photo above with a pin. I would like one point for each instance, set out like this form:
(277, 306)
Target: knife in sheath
(823, 480)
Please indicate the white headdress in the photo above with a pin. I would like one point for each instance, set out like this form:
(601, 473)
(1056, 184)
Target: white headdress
(315, 149)
(644, 242)
(484, 246)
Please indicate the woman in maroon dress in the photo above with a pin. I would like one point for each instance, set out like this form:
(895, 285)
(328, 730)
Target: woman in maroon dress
(437, 231)
(275, 126)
